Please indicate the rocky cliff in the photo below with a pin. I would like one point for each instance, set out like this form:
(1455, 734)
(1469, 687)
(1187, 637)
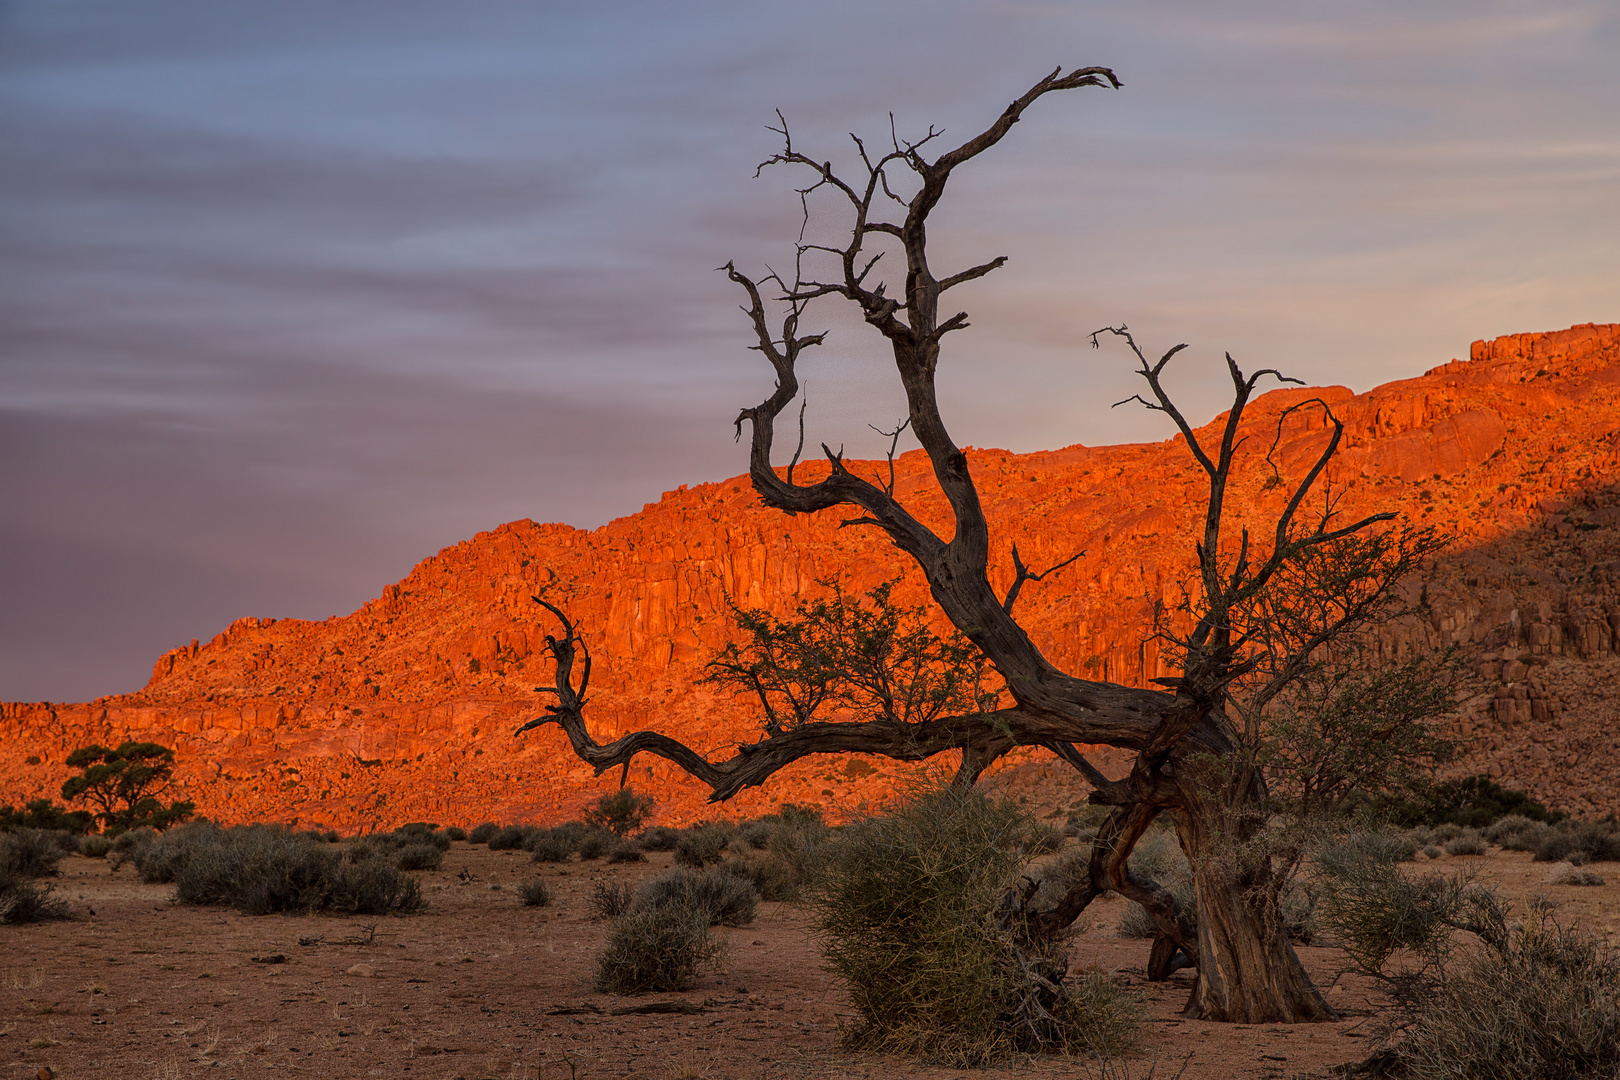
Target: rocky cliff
(404, 709)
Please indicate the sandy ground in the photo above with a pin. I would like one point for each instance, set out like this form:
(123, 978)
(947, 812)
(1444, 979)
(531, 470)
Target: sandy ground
(479, 986)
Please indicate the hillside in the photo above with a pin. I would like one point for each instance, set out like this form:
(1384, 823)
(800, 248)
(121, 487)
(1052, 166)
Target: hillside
(404, 709)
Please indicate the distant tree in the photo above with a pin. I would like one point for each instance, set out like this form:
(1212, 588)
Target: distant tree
(621, 812)
(123, 785)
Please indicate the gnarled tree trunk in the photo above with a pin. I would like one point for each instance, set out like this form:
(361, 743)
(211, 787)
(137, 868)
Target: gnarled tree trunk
(1248, 972)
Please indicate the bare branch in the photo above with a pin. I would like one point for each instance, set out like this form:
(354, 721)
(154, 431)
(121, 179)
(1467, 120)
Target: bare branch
(1022, 573)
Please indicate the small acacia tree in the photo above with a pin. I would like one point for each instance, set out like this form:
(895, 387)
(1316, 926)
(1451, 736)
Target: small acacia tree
(1261, 613)
(123, 785)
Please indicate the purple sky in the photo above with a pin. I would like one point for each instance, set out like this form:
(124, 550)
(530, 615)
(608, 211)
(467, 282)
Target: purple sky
(293, 294)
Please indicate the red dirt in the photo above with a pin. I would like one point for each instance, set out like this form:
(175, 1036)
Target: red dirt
(479, 986)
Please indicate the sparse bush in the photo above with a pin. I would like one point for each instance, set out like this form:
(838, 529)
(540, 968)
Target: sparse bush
(419, 857)
(1542, 1004)
(660, 948)
(23, 901)
(552, 847)
(534, 893)
(621, 812)
(594, 843)
(1509, 830)
(1467, 842)
(702, 845)
(913, 906)
(772, 878)
(659, 838)
(371, 888)
(1042, 839)
(482, 832)
(1569, 874)
(1433, 852)
(1599, 841)
(724, 898)
(609, 899)
(508, 838)
(756, 834)
(259, 869)
(95, 846)
(1345, 857)
(455, 832)
(625, 852)
(30, 853)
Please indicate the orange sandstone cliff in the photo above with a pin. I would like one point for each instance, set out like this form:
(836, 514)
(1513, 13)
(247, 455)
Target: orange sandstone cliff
(404, 709)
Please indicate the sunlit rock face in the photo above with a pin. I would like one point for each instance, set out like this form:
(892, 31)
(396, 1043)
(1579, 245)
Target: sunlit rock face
(404, 710)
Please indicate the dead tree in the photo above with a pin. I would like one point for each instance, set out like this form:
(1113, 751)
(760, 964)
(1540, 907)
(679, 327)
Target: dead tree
(1192, 761)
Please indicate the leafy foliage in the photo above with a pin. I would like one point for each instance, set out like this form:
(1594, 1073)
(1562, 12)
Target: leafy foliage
(124, 783)
(44, 814)
(259, 869)
(869, 657)
(920, 920)
(1475, 801)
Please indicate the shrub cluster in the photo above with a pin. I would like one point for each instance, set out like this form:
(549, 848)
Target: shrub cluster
(660, 937)
(1543, 1003)
(259, 869)
(1568, 840)
(1475, 801)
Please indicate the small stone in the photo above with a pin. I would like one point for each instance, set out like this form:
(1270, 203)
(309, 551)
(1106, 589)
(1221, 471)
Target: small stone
(362, 971)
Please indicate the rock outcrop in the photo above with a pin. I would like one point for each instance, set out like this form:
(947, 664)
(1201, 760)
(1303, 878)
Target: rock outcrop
(404, 709)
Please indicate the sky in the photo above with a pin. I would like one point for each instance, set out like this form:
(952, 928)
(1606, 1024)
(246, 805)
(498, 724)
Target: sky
(294, 294)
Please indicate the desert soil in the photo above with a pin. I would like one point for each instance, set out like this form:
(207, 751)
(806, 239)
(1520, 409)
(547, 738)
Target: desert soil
(479, 986)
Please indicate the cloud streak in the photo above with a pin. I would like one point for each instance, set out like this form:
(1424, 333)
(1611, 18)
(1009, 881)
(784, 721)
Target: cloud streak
(292, 295)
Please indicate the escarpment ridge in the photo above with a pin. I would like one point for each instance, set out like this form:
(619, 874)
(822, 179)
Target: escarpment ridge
(404, 709)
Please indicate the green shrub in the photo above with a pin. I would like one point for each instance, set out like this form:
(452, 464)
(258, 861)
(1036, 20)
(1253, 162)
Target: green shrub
(609, 899)
(481, 833)
(1544, 1004)
(702, 845)
(30, 853)
(914, 910)
(534, 893)
(1468, 842)
(455, 832)
(660, 948)
(95, 846)
(1433, 852)
(419, 857)
(23, 901)
(723, 898)
(621, 812)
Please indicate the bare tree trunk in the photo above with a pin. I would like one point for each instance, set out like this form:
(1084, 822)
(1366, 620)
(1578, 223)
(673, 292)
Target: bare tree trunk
(1248, 971)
